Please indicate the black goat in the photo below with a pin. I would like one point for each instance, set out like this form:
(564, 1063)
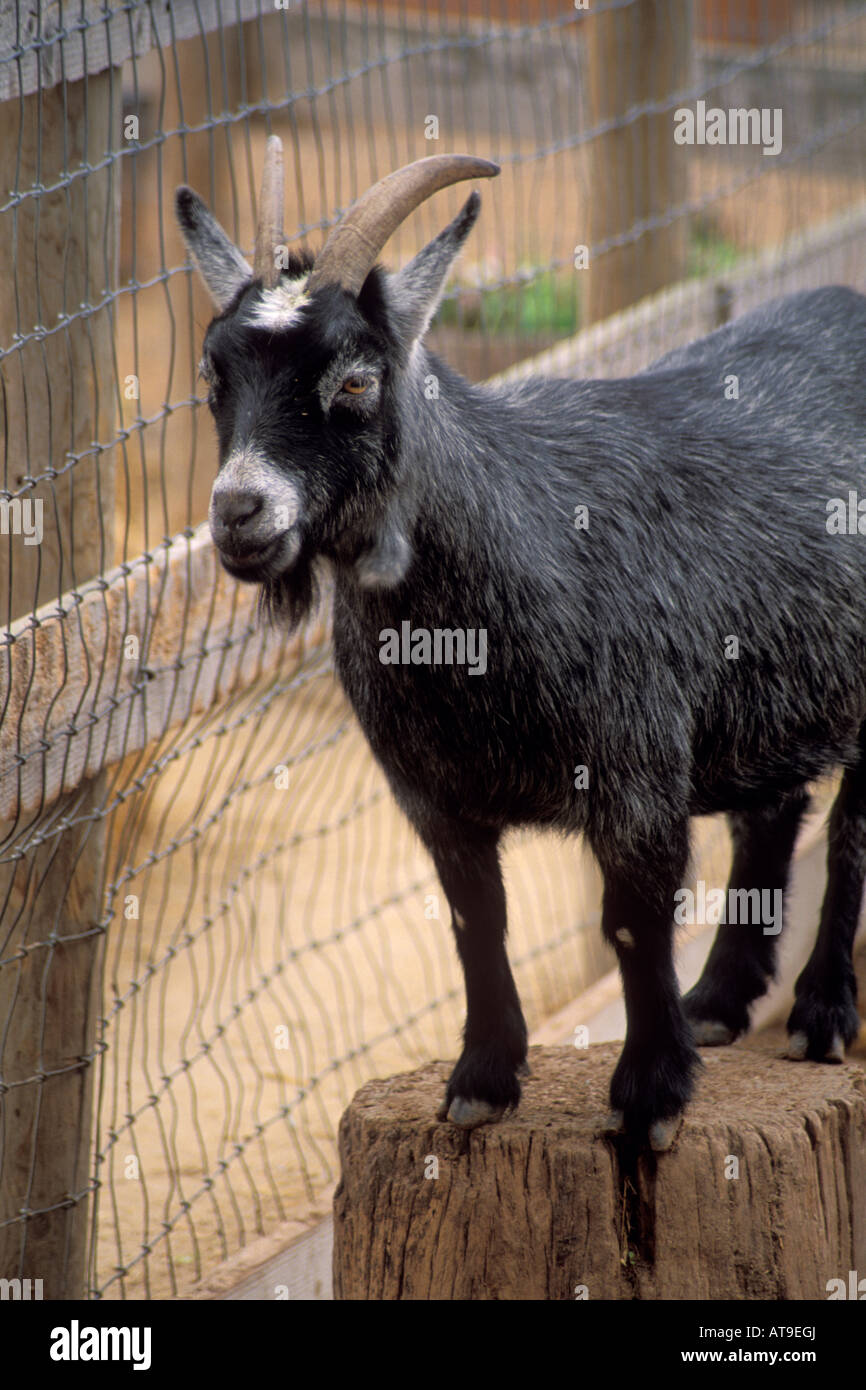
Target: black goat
(666, 602)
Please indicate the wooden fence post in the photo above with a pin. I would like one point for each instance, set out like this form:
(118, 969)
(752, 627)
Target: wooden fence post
(636, 55)
(58, 398)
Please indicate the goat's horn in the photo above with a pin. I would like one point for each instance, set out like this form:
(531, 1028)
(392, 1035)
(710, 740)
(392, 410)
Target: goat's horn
(354, 245)
(269, 233)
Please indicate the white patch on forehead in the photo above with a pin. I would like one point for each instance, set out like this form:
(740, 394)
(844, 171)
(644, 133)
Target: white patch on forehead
(280, 307)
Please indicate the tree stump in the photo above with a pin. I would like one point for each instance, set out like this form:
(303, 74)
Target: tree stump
(763, 1195)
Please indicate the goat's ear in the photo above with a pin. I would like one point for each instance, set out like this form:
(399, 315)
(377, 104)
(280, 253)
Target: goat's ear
(221, 264)
(414, 292)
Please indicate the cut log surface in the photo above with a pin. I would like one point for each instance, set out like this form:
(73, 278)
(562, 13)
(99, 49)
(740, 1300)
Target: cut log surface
(763, 1195)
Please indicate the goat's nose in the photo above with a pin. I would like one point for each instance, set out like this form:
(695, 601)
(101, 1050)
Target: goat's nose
(236, 510)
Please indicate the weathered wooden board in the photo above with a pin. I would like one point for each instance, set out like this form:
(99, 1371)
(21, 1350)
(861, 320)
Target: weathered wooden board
(42, 45)
(76, 694)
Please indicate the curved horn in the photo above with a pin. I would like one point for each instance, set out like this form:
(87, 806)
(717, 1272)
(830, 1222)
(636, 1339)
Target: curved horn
(354, 245)
(269, 232)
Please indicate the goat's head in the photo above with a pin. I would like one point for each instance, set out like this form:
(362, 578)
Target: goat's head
(304, 364)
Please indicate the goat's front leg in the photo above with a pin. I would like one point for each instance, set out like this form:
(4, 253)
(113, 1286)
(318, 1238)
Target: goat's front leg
(484, 1082)
(654, 1077)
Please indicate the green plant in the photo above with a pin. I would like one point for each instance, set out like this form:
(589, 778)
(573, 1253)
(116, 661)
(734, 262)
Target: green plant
(544, 305)
(709, 251)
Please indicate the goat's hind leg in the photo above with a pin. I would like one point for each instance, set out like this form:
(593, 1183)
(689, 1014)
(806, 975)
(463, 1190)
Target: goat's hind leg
(824, 1019)
(742, 960)
(484, 1082)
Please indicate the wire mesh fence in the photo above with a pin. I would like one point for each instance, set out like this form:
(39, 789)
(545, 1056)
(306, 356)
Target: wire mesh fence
(214, 924)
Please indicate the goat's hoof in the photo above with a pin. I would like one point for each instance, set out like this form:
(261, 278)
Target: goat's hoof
(662, 1133)
(836, 1050)
(798, 1046)
(468, 1114)
(710, 1033)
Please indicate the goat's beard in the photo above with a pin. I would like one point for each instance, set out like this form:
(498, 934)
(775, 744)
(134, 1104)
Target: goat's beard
(287, 598)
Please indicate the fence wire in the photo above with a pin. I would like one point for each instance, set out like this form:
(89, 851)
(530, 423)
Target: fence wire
(214, 924)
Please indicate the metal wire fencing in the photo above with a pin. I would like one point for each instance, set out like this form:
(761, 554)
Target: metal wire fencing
(214, 925)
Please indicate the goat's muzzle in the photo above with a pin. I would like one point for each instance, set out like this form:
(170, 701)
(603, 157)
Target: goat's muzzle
(254, 518)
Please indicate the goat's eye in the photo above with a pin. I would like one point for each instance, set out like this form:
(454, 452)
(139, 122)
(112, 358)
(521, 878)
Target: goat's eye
(356, 385)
